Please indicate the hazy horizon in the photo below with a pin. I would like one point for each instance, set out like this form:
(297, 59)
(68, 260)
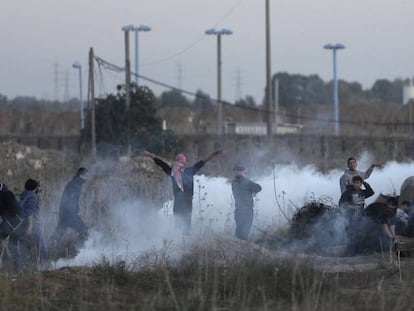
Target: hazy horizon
(37, 35)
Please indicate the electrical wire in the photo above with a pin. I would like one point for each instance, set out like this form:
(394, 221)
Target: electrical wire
(190, 46)
(112, 67)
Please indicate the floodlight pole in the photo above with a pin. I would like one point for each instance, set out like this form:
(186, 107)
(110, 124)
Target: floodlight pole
(136, 31)
(78, 66)
(219, 33)
(334, 48)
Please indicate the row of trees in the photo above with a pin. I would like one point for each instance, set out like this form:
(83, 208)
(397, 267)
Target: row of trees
(139, 128)
(144, 128)
(33, 103)
(294, 89)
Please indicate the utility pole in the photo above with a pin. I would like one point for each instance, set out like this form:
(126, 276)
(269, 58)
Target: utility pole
(126, 30)
(276, 103)
(92, 101)
(127, 73)
(78, 66)
(268, 110)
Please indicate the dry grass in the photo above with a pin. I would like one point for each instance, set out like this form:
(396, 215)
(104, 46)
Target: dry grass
(210, 279)
(223, 275)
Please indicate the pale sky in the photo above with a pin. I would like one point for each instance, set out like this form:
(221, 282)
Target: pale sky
(36, 34)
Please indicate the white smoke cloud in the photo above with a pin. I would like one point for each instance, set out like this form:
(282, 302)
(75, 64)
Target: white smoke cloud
(136, 229)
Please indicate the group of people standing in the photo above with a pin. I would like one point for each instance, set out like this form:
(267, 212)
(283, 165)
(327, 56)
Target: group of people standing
(21, 220)
(21, 223)
(377, 225)
(182, 178)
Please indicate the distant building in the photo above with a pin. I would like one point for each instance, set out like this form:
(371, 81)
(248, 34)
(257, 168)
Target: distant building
(237, 120)
(260, 128)
(408, 91)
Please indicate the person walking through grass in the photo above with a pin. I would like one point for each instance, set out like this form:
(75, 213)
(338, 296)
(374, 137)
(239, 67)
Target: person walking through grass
(69, 207)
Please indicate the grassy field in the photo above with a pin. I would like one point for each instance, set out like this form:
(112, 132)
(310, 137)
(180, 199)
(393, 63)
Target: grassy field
(225, 276)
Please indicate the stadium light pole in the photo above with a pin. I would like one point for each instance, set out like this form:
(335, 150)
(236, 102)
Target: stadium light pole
(219, 33)
(334, 48)
(137, 30)
(78, 66)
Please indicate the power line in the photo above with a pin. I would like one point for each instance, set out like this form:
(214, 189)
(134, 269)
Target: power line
(191, 45)
(109, 66)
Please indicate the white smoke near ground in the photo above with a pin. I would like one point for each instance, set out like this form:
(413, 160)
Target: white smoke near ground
(136, 229)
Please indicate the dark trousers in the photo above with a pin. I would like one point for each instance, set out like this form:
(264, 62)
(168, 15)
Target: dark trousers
(70, 221)
(244, 221)
(14, 228)
(182, 211)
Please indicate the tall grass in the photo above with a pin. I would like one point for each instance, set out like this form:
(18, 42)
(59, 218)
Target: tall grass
(209, 279)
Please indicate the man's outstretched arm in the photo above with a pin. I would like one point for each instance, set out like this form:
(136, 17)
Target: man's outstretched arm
(213, 154)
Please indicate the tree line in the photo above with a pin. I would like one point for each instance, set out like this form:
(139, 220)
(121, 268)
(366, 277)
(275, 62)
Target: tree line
(293, 90)
(144, 129)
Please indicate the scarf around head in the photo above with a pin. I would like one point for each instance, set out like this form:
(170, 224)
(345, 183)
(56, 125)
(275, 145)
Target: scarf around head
(176, 170)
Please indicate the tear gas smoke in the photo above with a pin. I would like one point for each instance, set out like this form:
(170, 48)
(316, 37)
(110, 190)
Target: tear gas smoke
(136, 229)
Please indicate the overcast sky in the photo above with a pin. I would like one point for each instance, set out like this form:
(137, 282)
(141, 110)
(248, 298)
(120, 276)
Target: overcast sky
(37, 34)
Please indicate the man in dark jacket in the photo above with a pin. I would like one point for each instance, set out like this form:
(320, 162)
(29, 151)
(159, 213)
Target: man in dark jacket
(182, 178)
(12, 225)
(243, 191)
(383, 216)
(69, 207)
(353, 203)
(29, 202)
(353, 199)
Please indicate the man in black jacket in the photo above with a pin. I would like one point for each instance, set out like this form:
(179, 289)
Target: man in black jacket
(353, 199)
(382, 231)
(182, 179)
(69, 207)
(243, 191)
(353, 203)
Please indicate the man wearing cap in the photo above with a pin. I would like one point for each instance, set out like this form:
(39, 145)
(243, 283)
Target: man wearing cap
(243, 192)
(29, 202)
(182, 178)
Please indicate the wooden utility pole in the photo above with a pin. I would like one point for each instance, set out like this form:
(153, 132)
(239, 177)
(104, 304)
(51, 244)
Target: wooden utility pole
(276, 103)
(127, 87)
(92, 101)
(268, 110)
